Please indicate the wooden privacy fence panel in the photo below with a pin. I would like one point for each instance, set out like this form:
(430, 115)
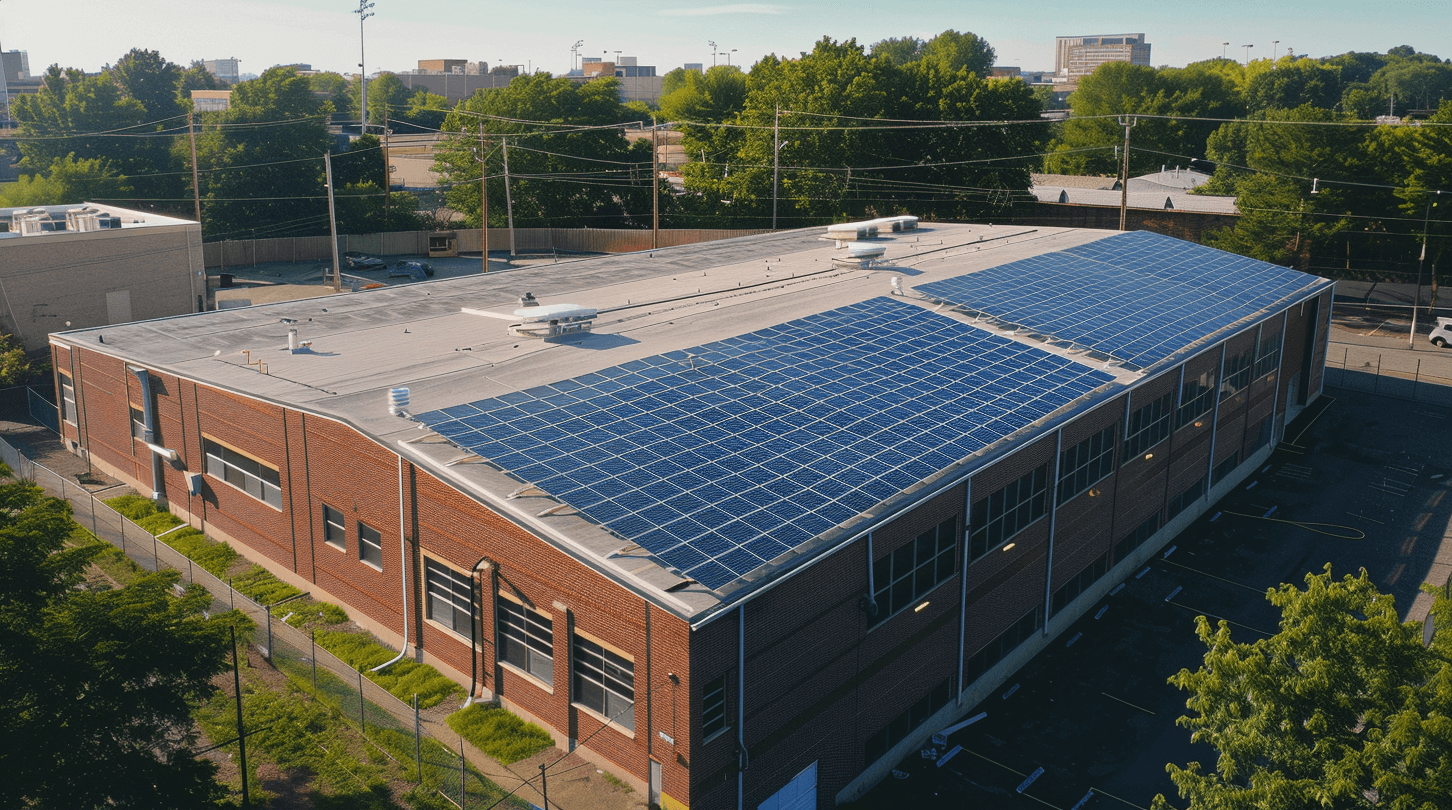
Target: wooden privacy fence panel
(248, 252)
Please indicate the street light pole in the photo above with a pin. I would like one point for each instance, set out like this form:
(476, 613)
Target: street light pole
(1275, 43)
(728, 56)
(1247, 53)
(1421, 263)
(713, 52)
(363, 13)
(1225, 46)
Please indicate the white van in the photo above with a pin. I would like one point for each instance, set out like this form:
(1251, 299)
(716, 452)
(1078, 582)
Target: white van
(1441, 336)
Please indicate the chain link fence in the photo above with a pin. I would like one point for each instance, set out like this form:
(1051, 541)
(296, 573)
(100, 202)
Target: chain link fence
(397, 728)
(1394, 374)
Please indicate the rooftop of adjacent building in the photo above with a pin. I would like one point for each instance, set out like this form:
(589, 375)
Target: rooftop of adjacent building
(448, 342)
(50, 220)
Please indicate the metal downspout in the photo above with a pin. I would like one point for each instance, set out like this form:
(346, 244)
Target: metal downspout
(402, 570)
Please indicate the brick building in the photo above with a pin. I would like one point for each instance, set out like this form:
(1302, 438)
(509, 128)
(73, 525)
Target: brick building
(774, 518)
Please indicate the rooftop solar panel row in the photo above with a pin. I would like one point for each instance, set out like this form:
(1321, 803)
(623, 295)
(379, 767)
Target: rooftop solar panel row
(720, 458)
(1137, 296)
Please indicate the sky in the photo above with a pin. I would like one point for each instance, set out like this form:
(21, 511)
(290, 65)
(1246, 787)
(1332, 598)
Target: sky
(668, 33)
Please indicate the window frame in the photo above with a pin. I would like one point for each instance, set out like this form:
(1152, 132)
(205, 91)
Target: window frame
(341, 525)
(138, 424)
(1237, 374)
(581, 659)
(1145, 429)
(69, 411)
(365, 544)
(1095, 466)
(503, 605)
(1267, 361)
(929, 560)
(1197, 398)
(713, 701)
(208, 443)
(430, 566)
(990, 513)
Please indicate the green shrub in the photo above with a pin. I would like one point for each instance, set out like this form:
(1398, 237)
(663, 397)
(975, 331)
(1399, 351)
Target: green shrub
(403, 680)
(262, 587)
(133, 506)
(160, 522)
(500, 733)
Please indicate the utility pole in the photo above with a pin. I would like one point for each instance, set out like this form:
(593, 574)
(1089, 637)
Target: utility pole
(363, 14)
(196, 187)
(1421, 263)
(654, 188)
(713, 52)
(483, 201)
(241, 738)
(333, 223)
(775, 161)
(508, 200)
(1128, 122)
(387, 173)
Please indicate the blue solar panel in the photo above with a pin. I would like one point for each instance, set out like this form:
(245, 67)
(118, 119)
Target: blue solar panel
(720, 458)
(1136, 296)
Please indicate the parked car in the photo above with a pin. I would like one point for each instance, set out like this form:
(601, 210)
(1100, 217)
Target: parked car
(363, 261)
(1441, 336)
(412, 268)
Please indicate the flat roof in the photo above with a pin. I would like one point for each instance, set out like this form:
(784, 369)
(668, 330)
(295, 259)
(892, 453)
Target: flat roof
(723, 325)
(129, 219)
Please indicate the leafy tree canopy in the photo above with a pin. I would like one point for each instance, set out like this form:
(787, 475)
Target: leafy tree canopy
(96, 687)
(1343, 708)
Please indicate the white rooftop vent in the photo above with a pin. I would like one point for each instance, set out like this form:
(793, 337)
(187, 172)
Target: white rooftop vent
(552, 320)
(851, 231)
(896, 224)
(860, 255)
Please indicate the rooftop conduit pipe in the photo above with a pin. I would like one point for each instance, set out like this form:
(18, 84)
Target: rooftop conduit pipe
(402, 571)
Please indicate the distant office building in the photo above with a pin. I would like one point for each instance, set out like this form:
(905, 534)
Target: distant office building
(696, 66)
(226, 70)
(637, 82)
(442, 65)
(211, 100)
(16, 65)
(1075, 57)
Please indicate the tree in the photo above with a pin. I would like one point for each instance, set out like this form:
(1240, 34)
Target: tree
(952, 51)
(568, 170)
(337, 89)
(66, 182)
(196, 77)
(15, 365)
(898, 50)
(1343, 708)
(96, 687)
(426, 110)
(265, 167)
(387, 97)
(1293, 83)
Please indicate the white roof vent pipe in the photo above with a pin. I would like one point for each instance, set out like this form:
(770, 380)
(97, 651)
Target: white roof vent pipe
(397, 401)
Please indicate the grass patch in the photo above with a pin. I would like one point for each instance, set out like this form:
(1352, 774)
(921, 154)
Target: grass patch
(616, 781)
(403, 680)
(132, 506)
(262, 587)
(109, 559)
(500, 733)
(308, 612)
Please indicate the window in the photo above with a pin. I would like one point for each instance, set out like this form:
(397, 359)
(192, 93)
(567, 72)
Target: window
(1086, 462)
(1182, 501)
(527, 640)
(335, 528)
(1262, 434)
(450, 596)
(1147, 427)
(902, 577)
(1070, 590)
(1224, 468)
(713, 707)
(901, 726)
(1008, 511)
(243, 472)
(1197, 397)
(138, 424)
(999, 648)
(1137, 538)
(605, 682)
(1237, 373)
(1268, 357)
(370, 545)
(68, 397)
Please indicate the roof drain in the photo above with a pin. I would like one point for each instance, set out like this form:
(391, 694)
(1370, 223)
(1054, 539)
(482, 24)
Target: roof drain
(402, 571)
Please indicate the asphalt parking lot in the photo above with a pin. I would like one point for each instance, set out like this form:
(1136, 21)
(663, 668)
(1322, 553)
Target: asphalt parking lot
(1361, 482)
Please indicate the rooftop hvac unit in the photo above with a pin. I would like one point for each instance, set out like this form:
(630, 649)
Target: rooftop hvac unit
(852, 231)
(896, 224)
(860, 255)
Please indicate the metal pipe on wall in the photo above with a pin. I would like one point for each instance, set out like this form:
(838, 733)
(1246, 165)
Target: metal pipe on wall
(402, 570)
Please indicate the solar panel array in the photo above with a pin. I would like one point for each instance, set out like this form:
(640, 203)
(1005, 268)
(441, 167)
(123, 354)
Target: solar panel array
(719, 458)
(1136, 296)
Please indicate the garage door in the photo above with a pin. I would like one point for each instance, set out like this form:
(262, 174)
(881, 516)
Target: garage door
(799, 794)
